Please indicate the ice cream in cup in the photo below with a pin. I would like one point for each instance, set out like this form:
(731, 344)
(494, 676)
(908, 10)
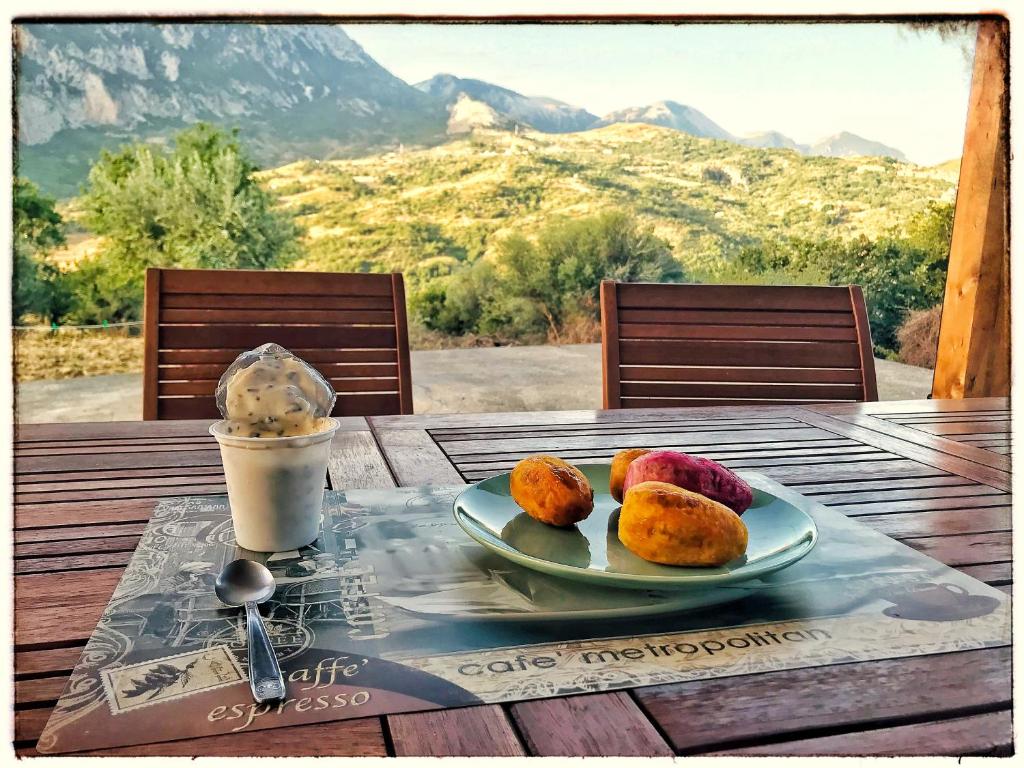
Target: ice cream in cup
(275, 439)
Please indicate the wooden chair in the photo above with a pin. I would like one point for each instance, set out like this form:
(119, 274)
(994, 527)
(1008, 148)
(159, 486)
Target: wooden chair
(692, 345)
(351, 327)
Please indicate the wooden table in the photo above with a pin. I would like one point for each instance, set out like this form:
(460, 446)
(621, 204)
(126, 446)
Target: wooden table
(933, 474)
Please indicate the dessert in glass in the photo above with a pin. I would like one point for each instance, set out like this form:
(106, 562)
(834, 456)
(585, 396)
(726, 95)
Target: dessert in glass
(275, 439)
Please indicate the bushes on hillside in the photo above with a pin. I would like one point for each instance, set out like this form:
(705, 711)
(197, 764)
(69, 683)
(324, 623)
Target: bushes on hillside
(899, 273)
(715, 176)
(532, 289)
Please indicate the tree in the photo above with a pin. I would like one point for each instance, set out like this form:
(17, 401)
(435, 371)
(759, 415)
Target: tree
(37, 287)
(561, 275)
(36, 221)
(197, 206)
(931, 232)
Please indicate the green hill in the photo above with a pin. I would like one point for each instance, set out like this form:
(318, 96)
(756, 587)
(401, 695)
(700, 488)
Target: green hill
(425, 210)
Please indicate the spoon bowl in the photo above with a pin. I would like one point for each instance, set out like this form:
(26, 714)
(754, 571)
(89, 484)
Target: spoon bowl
(244, 581)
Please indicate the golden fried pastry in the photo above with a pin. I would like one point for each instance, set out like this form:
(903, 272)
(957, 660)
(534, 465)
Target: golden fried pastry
(552, 491)
(667, 524)
(619, 466)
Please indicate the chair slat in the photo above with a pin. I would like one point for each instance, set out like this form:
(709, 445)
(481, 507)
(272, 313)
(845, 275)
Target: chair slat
(722, 390)
(263, 302)
(273, 283)
(330, 370)
(796, 354)
(751, 375)
(351, 327)
(288, 336)
(193, 407)
(279, 316)
(323, 355)
(735, 297)
(734, 317)
(207, 387)
(736, 332)
(370, 404)
(357, 404)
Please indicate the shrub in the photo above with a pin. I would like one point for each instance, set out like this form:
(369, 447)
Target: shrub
(919, 337)
(535, 289)
(715, 176)
(578, 328)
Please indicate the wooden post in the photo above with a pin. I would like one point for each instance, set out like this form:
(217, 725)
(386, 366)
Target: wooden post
(151, 340)
(402, 344)
(974, 338)
(610, 345)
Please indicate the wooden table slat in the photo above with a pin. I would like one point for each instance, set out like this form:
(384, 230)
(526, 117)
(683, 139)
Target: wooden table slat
(600, 724)
(415, 459)
(989, 734)
(362, 737)
(469, 732)
(843, 696)
(968, 549)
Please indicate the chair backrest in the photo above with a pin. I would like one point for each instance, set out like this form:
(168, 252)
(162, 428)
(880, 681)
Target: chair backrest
(667, 345)
(351, 327)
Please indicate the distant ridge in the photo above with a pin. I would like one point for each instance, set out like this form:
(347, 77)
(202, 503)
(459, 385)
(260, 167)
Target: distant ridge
(843, 144)
(544, 114)
(846, 144)
(671, 114)
(771, 140)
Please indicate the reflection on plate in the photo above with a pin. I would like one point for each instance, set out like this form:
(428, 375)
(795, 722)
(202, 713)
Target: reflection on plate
(780, 534)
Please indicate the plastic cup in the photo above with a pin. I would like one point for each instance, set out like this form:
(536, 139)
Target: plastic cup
(275, 486)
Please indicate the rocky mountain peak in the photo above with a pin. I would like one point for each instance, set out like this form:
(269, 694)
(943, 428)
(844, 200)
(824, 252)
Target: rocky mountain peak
(293, 89)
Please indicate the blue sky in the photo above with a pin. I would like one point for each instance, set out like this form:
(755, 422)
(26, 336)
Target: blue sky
(881, 81)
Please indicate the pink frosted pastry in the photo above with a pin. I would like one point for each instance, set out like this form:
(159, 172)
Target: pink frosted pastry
(693, 473)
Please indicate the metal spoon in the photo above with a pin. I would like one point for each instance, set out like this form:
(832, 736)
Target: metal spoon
(248, 583)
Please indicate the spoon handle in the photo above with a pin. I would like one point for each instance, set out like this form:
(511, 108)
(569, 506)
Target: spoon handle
(265, 676)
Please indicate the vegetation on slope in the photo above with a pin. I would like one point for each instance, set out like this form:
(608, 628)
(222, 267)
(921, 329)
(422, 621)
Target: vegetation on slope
(425, 211)
(505, 235)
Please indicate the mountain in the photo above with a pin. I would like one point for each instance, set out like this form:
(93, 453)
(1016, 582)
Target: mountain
(771, 140)
(670, 114)
(544, 114)
(467, 115)
(843, 144)
(293, 90)
(846, 144)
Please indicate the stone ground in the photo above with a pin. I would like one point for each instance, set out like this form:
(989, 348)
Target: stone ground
(544, 378)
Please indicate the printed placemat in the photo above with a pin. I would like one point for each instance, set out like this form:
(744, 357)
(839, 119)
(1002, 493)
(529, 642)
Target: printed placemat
(395, 609)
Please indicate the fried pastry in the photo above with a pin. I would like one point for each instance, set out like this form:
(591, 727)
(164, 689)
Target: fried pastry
(551, 490)
(667, 524)
(620, 464)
